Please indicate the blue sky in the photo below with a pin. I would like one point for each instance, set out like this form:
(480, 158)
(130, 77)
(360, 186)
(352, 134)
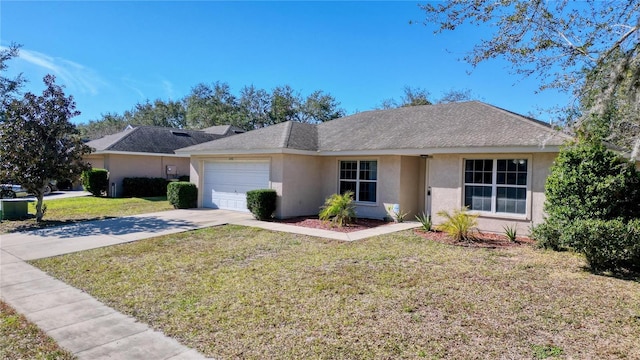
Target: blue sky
(111, 55)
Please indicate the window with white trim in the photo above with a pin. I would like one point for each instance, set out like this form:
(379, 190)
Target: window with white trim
(361, 177)
(496, 185)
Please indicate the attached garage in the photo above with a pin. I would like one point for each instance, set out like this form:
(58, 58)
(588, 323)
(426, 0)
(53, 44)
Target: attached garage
(226, 182)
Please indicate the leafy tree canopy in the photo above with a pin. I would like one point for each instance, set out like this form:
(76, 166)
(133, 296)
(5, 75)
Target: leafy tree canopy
(215, 104)
(39, 143)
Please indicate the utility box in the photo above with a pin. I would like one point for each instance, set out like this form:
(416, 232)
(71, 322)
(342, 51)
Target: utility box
(172, 170)
(13, 209)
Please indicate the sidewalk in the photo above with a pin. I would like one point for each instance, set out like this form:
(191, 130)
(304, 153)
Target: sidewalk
(82, 324)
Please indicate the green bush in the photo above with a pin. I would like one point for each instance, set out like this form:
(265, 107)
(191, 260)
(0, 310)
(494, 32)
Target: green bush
(262, 203)
(589, 181)
(144, 187)
(95, 181)
(459, 225)
(339, 209)
(547, 236)
(608, 245)
(182, 194)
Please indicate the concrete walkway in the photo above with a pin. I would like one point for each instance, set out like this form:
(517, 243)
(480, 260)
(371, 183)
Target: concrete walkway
(82, 324)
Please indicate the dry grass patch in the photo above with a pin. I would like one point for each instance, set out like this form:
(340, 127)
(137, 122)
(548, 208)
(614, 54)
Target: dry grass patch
(237, 292)
(20, 339)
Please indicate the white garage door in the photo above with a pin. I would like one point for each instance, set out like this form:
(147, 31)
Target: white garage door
(225, 183)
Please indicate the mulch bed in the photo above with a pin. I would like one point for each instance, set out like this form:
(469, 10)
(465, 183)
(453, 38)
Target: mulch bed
(481, 240)
(315, 223)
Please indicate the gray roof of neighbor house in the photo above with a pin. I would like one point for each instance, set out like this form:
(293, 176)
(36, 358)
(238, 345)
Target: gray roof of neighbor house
(223, 130)
(452, 126)
(152, 139)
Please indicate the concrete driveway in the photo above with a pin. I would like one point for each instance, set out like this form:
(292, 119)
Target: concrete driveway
(41, 243)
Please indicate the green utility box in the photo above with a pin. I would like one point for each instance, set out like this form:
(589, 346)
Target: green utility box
(12, 209)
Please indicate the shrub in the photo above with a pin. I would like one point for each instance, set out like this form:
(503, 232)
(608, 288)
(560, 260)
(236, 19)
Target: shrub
(262, 203)
(339, 209)
(95, 181)
(458, 225)
(425, 220)
(547, 236)
(182, 195)
(589, 181)
(144, 187)
(608, 245)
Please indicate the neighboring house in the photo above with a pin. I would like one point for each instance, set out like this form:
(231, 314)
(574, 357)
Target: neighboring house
(423, 158)
(148, 151)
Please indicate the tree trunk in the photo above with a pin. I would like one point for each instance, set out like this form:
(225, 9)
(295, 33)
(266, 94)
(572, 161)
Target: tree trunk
(39, 203)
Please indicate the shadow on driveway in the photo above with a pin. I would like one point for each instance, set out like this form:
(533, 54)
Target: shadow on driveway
(114, 226)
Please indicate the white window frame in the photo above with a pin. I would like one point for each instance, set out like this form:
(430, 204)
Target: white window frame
(494, 185)
(357, 180)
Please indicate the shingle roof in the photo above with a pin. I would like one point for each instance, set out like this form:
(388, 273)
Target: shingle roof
(151, 139)
(457, 125)
(223, 130)
(286, 135)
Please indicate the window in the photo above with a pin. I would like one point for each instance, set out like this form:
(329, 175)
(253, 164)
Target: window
(496, 185)
(361, 177)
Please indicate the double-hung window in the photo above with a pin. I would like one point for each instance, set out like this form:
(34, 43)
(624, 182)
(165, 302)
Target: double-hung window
(361, 177)
(496, 185)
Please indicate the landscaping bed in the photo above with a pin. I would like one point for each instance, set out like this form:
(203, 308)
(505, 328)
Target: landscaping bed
(316, 223)
(480, 239)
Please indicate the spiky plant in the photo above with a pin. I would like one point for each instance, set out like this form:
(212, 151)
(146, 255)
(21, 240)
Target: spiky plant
(339, 209)
(459, 225)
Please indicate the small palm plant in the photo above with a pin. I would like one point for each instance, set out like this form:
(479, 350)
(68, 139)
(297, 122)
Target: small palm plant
(339, 209)
(459, 225)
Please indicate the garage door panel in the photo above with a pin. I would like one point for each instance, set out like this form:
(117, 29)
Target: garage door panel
(225, 183)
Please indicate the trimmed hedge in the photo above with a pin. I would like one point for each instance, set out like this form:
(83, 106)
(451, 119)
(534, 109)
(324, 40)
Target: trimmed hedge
(95, 181)
(144, 187)
(262, 203)
(182, 194)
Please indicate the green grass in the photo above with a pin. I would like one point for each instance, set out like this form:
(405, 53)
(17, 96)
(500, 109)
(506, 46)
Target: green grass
(20, 339)
(237, 292)
(61, 211)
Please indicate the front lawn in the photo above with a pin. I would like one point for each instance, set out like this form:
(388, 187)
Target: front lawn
(61, 211)
(20, 339)
(238, 292)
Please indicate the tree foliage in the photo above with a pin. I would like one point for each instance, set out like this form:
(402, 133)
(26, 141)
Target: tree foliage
(589, 48)
(39, 143)
(9, 87)
(210, 105)
(418, 96)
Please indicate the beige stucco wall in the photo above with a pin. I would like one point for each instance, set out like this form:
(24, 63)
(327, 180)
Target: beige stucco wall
(121, 166)
(301, 185)
(446, 181)
(398, 183)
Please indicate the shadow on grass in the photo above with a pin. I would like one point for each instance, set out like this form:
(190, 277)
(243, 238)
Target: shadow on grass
(114, 226)
(29, 223)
